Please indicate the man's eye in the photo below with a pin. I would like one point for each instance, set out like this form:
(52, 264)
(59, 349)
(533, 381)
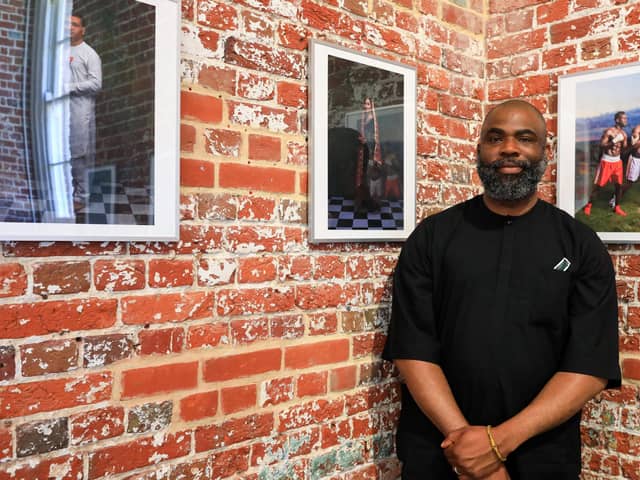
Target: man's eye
(494, 138)
(527, 139)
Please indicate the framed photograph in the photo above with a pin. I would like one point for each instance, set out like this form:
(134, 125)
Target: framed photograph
(90, 146)
(599, 150)
(363, 146)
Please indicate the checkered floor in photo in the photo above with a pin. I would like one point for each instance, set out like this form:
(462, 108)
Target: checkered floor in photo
(116, 204)
(342, 215)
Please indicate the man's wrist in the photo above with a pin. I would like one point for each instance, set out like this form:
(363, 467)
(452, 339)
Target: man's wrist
(506, 438)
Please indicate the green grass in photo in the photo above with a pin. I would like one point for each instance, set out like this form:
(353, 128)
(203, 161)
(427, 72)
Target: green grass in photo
(602, 218)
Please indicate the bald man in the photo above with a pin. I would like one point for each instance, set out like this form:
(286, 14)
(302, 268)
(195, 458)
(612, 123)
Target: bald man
(503, 324)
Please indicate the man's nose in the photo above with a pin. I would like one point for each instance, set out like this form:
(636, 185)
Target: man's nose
(509, 146)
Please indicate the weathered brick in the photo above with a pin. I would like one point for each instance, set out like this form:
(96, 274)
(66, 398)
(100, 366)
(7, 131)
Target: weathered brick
(49, 395)
(96, 425)
(230, 461)
(248, 331)
(268, 179)
(275, 391)
(311, 384)
(7, 362)
(310, 413)
(223, 143)
(257, 56)
(169, 307)
(149, 417)
(241, 365)
(41, 437)
(41, 318)
(233, 431)
(106, 349)
(71, 465)
(6, 444)
(257, 269)
(161, 342)
(54, 356)
(170, 273)
(165, 378)
(255, 87)
(138, 453)
(118, 275)
(251, 207)
(13, 280)
(209, 335)
(254, 300)
(287, 326)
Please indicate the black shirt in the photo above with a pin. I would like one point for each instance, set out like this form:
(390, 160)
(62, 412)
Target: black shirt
(502, 304)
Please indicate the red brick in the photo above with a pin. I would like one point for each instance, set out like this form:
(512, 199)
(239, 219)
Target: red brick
(196, 173)
(269, 451)
(372, 397)
(216, 271)
(101, 350)
(248, 331)
(217, 15)
(138, 453)
(187, 9)
(318, 353)
(96, 425)
(229, 462)
(292, 95)
(170, 273)
(257, 25)
(209, 335)
(6, 444)
(72, 466)
(254, 300)
(287, 326)
(61, 277)
(323, 323)
(275, 391)
(559, 57)
(41, 318)
(49, 395)
(118, 275)
(269, 179)
(255, 87)
(54, 356)
(264, 58)
(241, 365)
(463, 18)
(224, 143)
(62, 249)
(335, 433)
(165, 378)
(198, 406)
(293, 36)
(233, 431)
(552, 12)
(517, 43)
(631, 368)
(13, 280)
(205, 108)
(596, 49)
(256, 208)
(329, 267)
(324, 295)
(219, 79)
(262, 147)
(343, 378)
(236, 399)
(161, 342)
(209, 39)
(281, 120)
(498, 6)
(295, 268)
(257, 269)
(187, 137)
(368, 343)
(168, 307)
(221, 206)
(318, 411)
(297, 153)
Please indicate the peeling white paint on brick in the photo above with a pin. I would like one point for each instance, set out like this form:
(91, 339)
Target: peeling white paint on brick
(192, 45)
(253, 116)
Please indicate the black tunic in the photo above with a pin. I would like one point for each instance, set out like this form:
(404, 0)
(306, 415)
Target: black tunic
(490, 299)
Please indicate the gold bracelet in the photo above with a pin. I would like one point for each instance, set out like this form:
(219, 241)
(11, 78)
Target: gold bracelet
(494, 447)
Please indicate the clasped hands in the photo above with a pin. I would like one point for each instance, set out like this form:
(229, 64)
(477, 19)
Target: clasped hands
(469, 451)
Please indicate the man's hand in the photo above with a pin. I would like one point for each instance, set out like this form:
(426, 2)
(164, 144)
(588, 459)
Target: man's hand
(469, 450)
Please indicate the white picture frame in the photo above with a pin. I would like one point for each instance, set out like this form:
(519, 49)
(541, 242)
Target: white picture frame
(383, 202)
(587, 106)
(62, 219)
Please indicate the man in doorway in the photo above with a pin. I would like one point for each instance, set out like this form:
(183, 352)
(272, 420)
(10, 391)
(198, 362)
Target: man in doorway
(85, 83)
(503, 324)
(613, 140)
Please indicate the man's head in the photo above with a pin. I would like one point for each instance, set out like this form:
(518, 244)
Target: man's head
(77, 28)
(621, 119)
(635, 135)
(511, 153)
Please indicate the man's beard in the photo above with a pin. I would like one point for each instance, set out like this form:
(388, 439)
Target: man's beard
(517, 186)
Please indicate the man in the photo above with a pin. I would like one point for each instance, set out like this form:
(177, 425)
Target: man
(633, 162)
(85, 83)
(610, 169)
(504, 314)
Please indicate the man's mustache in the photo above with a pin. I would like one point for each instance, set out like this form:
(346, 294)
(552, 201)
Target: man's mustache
(504, 162)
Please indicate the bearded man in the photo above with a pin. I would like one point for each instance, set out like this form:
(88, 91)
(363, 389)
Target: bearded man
(504, 322)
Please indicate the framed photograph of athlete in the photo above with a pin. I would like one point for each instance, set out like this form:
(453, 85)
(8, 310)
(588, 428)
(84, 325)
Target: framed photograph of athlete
(362, 146)
(90, 148)
(599, 150)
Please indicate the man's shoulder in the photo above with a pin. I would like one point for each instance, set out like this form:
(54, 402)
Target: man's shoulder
(568, 225)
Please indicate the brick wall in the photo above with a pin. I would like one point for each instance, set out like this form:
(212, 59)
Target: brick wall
(15, 205)
(241, 349)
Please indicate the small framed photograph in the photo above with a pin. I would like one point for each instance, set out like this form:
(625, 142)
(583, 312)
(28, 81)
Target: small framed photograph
(363, 146)
(90, 150)
(599, 150)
